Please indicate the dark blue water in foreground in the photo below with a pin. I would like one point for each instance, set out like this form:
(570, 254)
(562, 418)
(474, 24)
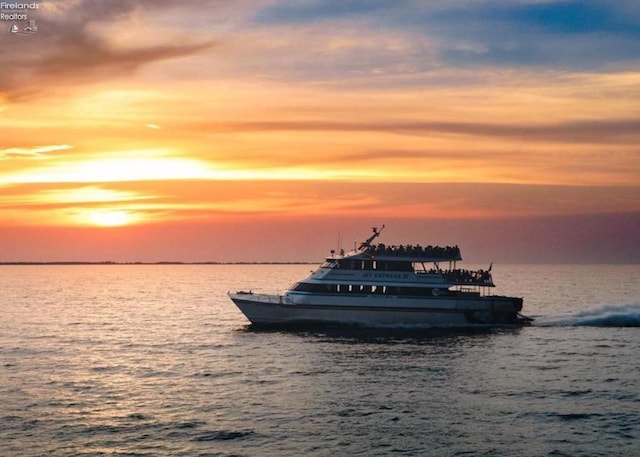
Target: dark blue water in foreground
(156, 361)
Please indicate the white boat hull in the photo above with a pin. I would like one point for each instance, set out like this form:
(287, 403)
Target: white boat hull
(371, 311)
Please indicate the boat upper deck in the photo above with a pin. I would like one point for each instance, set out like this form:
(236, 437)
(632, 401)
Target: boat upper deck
(408, 253)
(415, 253)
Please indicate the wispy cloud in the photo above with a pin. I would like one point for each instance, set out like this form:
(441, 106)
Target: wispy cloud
(69, 195)
(589, 131)
(322, 10)
(562, 34)
(34, 151)
(69, 48)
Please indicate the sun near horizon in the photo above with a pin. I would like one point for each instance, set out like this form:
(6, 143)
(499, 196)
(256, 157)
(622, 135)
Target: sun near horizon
(110, 218)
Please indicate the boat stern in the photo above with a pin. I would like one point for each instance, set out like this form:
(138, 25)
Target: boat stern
(499, 310)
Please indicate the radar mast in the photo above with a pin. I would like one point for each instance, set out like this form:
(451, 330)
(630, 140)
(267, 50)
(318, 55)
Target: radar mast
(367, 243)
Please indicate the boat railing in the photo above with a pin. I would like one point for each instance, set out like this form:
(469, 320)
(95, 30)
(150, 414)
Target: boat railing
(266, 298)
(478, 278)
(431, 253)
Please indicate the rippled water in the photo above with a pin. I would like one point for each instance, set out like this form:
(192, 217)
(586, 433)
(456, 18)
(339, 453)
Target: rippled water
(156, 361)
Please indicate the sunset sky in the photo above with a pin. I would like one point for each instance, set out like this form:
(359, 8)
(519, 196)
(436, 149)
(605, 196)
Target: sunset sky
(257, 130)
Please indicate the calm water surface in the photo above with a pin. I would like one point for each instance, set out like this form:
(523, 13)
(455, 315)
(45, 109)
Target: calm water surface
(156, 361)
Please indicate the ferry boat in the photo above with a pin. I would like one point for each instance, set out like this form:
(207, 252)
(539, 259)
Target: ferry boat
(376, 285)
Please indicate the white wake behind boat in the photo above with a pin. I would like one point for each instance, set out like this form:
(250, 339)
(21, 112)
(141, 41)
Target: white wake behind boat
(386, 286)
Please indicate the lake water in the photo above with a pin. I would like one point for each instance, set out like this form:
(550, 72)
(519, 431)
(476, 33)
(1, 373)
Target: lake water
(155, 360)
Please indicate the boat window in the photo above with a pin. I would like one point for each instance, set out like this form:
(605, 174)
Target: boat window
(300, 287)
(309, 287)
(350, 289)
(347, 265)
(402, 266)
(330, 264)
(366, 289)
(367, 264)
(393, 266)
(419, 267)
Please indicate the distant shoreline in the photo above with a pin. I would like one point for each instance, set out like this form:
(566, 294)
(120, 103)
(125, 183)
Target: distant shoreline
(153, 263)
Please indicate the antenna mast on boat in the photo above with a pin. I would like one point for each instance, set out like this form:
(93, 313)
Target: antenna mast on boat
(376, 233)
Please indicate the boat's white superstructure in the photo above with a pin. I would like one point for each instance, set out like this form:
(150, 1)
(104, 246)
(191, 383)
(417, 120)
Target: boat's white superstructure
(378, 285)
